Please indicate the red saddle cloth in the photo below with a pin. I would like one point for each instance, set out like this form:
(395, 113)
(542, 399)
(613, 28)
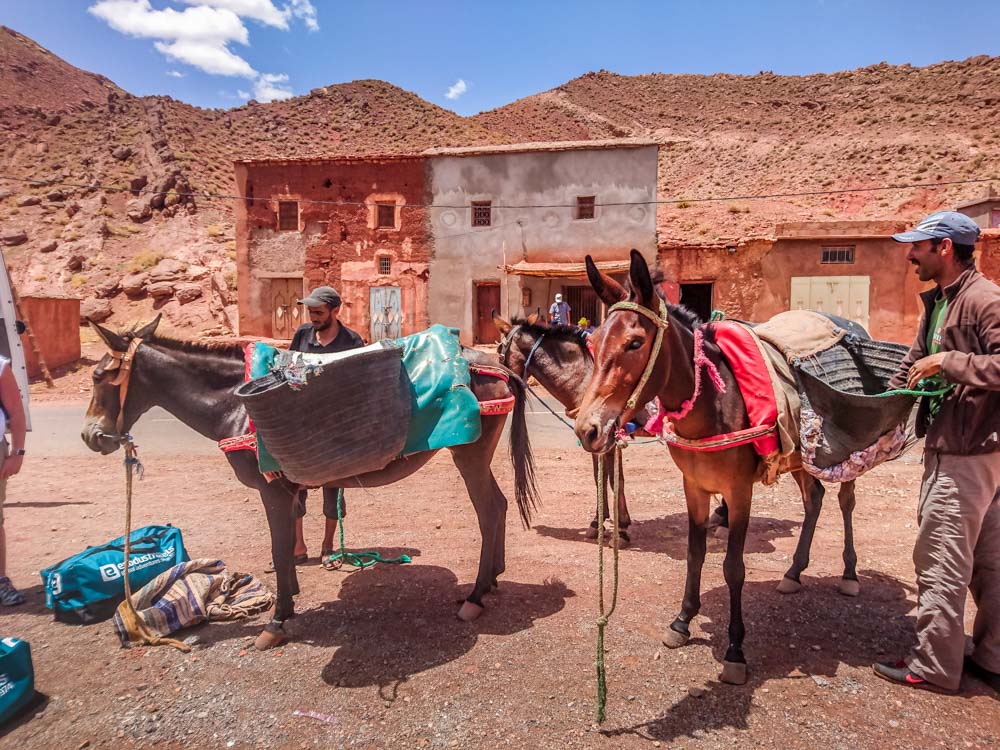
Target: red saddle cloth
(740, 349)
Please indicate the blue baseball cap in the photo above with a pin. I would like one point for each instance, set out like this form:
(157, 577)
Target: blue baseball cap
(951, 224)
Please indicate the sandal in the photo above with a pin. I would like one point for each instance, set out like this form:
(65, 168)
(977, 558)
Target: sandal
(10, 596)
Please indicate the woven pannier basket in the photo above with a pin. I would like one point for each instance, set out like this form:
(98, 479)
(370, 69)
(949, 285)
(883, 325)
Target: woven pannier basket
(349, 418)
(844, 385)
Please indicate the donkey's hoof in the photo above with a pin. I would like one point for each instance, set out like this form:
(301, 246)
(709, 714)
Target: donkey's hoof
(789, 586)
(674, 639)
(268, 640)
(849, 587)
(722, 533)
(469, 611)
(733, 673)
(591, 532)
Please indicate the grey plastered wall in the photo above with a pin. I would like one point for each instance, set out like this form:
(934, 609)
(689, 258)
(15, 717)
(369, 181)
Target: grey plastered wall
(534, 196)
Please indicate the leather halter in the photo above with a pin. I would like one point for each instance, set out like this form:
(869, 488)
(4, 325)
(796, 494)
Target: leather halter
(662, 323)
(122, 361)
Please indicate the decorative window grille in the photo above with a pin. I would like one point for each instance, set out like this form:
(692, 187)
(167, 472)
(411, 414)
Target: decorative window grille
(838, 255)
(385, 265)
(482, 213)
(386, 215)
(288, 216)
(585, 206)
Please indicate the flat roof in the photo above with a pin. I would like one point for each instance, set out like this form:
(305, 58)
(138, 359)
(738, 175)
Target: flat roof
(353, 159)
(516, 148)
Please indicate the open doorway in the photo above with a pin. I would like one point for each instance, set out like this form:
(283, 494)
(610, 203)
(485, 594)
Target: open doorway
(698, 299)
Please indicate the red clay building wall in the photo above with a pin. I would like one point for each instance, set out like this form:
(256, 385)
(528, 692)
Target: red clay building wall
(338, 241)
(55, 321)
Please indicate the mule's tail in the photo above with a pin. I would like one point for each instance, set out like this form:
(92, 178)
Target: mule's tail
(525, 489)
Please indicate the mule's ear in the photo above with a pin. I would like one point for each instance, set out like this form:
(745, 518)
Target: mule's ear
(502, 325)
(640, 280)
(608, 290)
(114, 341)
(533, 318)
(149, 329)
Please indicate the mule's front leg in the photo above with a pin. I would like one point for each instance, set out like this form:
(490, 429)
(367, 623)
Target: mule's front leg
(278, 504)
(697, 504)
(734, 667)
(812, 498)
(848, 585)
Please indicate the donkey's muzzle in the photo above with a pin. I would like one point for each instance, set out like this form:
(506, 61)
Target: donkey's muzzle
(98, 440)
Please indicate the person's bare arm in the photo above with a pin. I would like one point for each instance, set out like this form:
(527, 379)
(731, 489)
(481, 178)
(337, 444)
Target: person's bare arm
(10, 397)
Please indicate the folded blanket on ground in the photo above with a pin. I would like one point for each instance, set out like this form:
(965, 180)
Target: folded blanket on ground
(193, 592)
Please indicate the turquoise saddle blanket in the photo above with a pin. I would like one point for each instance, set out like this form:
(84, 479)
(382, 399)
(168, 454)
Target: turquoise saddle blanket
(445, 411)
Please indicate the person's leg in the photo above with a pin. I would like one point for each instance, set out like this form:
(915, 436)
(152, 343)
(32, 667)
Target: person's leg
(9, 595)
(985, 587)
(300, 551)
(330, 512)
(956, 494)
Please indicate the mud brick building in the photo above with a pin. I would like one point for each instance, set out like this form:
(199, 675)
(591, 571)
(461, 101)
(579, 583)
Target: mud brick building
(445, 236)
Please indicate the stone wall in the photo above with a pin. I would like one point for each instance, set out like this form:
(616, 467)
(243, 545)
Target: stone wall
(55, 322)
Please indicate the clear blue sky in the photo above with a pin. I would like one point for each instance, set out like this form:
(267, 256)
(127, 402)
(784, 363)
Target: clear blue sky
(501, 50)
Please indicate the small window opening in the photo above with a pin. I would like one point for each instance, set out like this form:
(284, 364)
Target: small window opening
(288, 216)
(386, 216)
(482, 213)
(385, 265)
(585, 206)
(328, 183)
(838, 255)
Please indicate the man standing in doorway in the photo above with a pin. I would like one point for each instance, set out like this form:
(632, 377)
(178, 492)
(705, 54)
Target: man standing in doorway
(958, 514)
(559, 312)
(323, 334)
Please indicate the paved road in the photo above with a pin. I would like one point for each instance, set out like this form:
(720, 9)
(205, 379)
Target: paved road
(57, 431)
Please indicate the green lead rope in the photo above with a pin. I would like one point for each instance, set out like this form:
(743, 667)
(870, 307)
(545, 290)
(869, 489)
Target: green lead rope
(359, 560)
(603, 616)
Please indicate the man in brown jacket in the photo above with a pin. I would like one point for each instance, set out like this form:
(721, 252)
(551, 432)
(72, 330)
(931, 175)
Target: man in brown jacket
(958, 539)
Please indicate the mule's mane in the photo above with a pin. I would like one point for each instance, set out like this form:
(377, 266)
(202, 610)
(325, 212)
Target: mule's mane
(225, 348)
(559, 332)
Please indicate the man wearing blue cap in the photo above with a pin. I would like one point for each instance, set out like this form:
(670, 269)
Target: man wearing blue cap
(958, 539)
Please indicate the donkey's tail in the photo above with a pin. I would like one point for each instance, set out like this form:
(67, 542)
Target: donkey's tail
(525, 489)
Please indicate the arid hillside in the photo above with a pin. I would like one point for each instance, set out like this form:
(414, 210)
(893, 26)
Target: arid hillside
(69, 136)
(727, 135)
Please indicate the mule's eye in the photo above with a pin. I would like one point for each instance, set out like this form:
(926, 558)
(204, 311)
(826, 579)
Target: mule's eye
(634, 344)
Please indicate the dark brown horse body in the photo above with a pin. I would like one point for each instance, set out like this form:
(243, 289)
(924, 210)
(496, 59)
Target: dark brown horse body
(561, 362)
(196, 383)
(623, 349)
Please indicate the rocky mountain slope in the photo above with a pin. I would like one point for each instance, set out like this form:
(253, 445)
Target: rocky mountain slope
(148, 245)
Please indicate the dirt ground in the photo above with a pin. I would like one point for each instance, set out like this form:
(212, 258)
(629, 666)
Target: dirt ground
(381, 655)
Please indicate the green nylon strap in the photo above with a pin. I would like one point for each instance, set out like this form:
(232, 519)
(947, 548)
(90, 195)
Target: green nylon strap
(604, 615)
(359, 560)
(716, 316)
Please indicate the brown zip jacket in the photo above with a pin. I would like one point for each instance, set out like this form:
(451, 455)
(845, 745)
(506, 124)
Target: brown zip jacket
(969, 420)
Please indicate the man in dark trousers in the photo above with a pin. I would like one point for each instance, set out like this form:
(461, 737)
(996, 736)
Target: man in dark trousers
(958, 514)
(323, 334)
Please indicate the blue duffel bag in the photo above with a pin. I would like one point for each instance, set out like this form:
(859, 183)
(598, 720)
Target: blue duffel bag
(89, 586)
(17, 677)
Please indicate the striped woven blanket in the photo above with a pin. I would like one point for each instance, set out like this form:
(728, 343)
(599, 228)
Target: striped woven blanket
(193, 592)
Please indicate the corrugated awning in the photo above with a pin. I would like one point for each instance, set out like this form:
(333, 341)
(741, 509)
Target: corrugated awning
(563, 270)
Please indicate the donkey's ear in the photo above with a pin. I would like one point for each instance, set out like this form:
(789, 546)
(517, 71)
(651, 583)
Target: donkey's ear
(502, 325)
(640, 280)
(149, 329)
(608, 290)
(114, 341)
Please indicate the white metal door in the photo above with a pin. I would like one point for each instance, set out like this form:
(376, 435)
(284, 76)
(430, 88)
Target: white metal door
(386, 313)
(846, 296)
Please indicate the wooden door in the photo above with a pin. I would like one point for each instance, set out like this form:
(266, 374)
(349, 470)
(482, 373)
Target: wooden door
(286, 313)
(487, 300)
(386, 311)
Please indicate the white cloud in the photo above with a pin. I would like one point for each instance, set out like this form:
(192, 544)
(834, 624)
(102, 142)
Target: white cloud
(456, 89)
(201, 34)
(242, 94)
(268, 87)
(175, 74)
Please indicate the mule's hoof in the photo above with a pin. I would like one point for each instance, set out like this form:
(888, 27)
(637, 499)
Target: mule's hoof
(268, 640)
(469, 611)
(673, 639)
(849, 587)
(591, 532)
(733, 673)
(722, 533)
(789, 586)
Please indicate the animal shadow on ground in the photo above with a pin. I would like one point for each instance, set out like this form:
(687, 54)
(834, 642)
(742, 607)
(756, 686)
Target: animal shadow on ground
(667, 535)
(801, 638)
